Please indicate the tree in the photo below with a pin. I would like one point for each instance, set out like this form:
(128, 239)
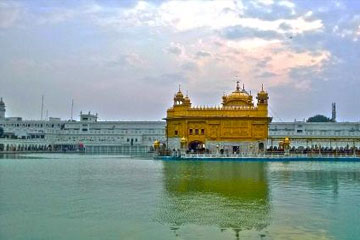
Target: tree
(319, 118)
(1, 132)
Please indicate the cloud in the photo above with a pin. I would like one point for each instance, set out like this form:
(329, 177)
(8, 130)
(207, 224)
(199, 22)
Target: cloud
(303, 76)
(166, 79)
(215, 15)
(261, 64)
(202, 54)
(266, 75)
(9, 13)
(238, 32)
(270, 11)
(175, 15)
(55, 15)
(254, 60)
(348, 28)
(189, 66)
(288, 4)
(285, 27)
(185, 15)
(265, 2)
(175, 49)
(132, 60)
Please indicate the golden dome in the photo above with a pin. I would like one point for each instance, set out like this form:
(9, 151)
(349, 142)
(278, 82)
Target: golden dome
(179, 94)
(262, 92)
(238, 97)
(187, 101)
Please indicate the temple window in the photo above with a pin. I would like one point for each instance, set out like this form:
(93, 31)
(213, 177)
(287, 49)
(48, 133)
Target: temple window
(190, 131)
(176, 132)
(202, 131)
(196, 131)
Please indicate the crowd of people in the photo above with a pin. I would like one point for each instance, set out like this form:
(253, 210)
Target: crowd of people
(317, 150)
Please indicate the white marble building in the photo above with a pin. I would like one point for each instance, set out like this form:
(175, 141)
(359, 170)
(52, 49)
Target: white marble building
(94, 135)
(324, 134)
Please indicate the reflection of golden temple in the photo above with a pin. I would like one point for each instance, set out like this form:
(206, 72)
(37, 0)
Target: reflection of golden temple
(235, 126)
(224, 194)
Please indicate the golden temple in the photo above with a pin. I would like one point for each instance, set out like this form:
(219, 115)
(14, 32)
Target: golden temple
(236, 126)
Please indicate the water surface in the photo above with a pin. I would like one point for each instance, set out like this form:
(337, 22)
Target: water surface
(69, 196)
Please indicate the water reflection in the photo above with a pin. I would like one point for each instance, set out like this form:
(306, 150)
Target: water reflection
(231, 195)
(316, 176)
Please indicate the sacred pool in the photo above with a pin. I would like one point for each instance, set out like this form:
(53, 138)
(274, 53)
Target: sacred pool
(75, 196)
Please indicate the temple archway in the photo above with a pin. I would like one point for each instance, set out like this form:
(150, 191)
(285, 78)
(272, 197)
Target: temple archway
(196, 146)
(261, 146)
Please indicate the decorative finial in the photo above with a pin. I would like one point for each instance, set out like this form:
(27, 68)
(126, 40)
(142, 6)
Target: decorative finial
(179, 87)
(244, 86)
(237, 86)
(187, 93)
(262, 87)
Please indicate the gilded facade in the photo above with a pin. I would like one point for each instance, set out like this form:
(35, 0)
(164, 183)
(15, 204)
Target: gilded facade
(238, 125)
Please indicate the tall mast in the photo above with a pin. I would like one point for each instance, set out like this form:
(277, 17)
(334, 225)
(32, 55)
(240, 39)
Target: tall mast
(333, 112)
(72, 108)
(42, 106)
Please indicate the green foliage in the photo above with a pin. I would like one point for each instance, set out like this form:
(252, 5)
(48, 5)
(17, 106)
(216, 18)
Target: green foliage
(1, 132)
(319, 118)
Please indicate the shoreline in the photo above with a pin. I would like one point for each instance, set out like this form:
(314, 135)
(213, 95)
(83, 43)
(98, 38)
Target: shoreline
(268, 158)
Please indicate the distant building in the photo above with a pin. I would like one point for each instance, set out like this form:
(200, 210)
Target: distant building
(315, 134)
(88, 117)
(95, 136)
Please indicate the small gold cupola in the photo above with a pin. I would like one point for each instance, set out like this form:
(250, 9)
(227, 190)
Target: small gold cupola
(262, 96)
(187, 101)
(179, 98)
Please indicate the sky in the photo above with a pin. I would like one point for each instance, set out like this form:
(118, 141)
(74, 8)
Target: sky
(125, 59)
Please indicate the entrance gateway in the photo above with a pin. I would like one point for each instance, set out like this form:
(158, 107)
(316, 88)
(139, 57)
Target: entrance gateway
(195, 146)
(238, 125)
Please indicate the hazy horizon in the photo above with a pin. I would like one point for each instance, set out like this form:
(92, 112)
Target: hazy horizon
(125, 59)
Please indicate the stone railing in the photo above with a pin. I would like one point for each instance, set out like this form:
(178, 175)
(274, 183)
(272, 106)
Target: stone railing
(223, 108)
